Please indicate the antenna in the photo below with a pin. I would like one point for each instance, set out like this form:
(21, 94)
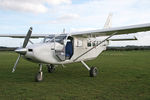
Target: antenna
(64, 30)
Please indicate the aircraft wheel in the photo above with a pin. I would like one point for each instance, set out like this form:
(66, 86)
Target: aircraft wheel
(93, 71)
(51, 68)
(39, 77)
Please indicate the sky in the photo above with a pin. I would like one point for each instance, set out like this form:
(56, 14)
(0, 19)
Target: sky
(52, 16)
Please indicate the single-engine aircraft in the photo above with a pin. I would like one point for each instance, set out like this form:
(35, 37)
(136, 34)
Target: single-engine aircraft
(70, 47)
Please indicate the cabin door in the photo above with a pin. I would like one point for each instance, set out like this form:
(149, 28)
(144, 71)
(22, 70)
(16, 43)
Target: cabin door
(69, 48)
(67, 52)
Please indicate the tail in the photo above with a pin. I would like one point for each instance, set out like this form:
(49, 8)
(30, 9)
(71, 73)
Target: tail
(108, 22)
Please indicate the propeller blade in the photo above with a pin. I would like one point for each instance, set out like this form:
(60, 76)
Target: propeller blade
(27, 37)
(14, 68)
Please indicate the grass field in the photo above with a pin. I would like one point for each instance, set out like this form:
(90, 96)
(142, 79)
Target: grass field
(123, 75)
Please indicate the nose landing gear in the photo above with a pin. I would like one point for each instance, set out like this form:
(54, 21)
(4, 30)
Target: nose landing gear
(39, 75)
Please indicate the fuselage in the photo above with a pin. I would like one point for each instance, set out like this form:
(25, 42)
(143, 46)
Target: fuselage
(55, 52)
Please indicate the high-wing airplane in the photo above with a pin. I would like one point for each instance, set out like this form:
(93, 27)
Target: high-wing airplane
(70, 47)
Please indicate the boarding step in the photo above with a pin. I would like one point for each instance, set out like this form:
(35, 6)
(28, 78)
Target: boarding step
(60, 54)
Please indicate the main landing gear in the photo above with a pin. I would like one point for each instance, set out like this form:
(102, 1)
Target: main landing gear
(50, 68)
(92, 71)
(39, 75)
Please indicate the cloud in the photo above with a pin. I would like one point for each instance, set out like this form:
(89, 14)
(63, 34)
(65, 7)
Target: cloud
(57, 2)
(81, 29)
(67, 17)
(60, 19)
(23, 6)
(34, 6)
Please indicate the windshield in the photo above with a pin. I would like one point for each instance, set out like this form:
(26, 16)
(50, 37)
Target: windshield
(48, 39)
(58, 39)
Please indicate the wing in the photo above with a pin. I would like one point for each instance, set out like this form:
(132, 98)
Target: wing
(24, 35)
(118, 30)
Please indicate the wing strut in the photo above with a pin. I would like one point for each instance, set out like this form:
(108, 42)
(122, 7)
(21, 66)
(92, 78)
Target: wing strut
(95, 46)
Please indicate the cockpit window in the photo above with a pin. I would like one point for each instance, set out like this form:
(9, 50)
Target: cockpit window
(48, 39)
(58, 39)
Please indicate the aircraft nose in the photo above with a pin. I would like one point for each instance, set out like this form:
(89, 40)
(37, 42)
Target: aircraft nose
(21, 51)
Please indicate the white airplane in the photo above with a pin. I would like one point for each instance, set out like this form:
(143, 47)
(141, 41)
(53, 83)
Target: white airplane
(69, 48)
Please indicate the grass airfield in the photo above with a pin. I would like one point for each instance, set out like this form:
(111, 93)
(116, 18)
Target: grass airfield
(123, 75)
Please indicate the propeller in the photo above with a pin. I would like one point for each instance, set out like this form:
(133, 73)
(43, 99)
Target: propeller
(22, 50)
(14, 68)
(26, 40)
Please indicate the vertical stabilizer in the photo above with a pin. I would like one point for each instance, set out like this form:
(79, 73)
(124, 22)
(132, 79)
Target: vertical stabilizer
(108, 22)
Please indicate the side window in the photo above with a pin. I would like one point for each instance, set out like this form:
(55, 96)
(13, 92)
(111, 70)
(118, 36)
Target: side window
(89, 44)
(94, 43)
(79, 43)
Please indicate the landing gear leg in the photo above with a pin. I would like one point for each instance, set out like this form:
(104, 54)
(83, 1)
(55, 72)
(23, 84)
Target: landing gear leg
(92, 70)
(39, 75)
(50, 68)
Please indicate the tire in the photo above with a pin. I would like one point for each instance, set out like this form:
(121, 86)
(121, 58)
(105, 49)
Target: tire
(50, 68)
(39, 77)
(93, 72)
